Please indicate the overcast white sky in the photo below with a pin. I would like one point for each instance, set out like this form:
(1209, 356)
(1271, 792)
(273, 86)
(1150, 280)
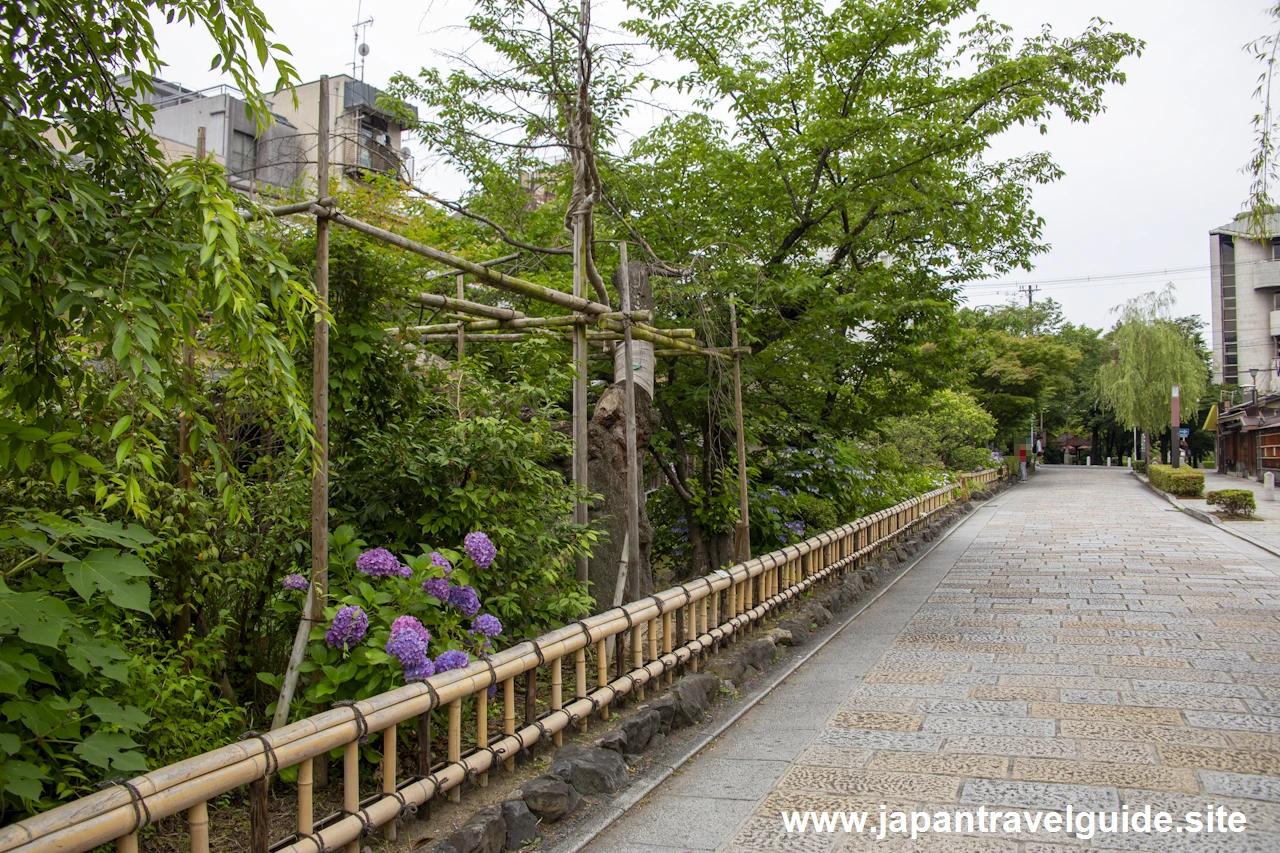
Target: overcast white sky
(1144, 182)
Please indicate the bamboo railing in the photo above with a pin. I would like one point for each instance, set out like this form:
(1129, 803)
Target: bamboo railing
(688, 620)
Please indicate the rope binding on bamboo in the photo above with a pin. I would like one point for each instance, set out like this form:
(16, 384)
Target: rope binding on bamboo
(273, 763)
(141, 812)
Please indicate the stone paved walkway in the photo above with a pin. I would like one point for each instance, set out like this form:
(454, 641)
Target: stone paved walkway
(1075, 642)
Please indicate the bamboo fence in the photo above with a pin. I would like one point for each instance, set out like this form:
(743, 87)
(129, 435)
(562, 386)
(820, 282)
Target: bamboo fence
(706, 612)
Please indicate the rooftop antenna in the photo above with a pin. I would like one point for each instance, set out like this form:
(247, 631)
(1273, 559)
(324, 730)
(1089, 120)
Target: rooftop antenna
(360, 49)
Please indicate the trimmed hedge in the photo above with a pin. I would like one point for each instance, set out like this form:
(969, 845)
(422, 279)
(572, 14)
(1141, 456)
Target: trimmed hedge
(1184, 482)
(1238, 503)
(1140, 465)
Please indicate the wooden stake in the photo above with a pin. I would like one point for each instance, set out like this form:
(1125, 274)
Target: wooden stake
(259, 828)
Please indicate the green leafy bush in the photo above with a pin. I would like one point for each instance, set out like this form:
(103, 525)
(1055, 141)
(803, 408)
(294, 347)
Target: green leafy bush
(1140, 465)
(1184, 482)
(1237, 503)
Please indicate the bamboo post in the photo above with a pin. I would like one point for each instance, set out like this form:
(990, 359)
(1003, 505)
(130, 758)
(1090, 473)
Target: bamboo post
(306, 809)
(351, 785)
(693, 631)
(455, 745)
(198, 827)
(509, 715)
(127, 843)
(557, 695)
(602, 665)
(530, 696)
(389, 773)
(462, 339)
(742, 538)
(666, 644)
(633, 464)
(580, 389)
(580, 681)
(482, 729)
(637, 657)
(320, 399)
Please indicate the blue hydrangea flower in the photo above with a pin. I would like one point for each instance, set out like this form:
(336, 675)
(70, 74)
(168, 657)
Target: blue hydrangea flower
(487, 624)
(348, 628)
(465, 599)
(451, 660)
(796, 528)
(294, 582)
(380, 563)
(420, 671)
(479, 549)
(440, 562)
(437, 588)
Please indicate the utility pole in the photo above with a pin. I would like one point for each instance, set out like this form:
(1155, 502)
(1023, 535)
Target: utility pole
(1175, 428)
(1030, 290)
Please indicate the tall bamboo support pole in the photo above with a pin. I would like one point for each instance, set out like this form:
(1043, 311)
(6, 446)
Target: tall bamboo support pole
(198, 827)
(389, 772)
(602, 665)
(580, 388)
(462, 341)
(127, 843)
(742, 541)
(666, 643)
(319, 404)
(633, 464)
(637, 656)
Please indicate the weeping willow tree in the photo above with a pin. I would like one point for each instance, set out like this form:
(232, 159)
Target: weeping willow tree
(1151, 353)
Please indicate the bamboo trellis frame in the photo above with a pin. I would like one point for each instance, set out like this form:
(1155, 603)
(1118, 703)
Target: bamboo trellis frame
(734, 599)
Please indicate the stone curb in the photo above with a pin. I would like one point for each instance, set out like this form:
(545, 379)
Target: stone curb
(609, 813)
(1201, 515)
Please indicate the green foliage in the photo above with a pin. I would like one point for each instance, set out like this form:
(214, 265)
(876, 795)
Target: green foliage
(1237, 503)
(1140, 465)
(950, 431)
(1184, 482)
(1152, 354)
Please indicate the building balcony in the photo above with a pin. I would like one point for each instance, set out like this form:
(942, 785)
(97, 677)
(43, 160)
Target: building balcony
(1260, 275)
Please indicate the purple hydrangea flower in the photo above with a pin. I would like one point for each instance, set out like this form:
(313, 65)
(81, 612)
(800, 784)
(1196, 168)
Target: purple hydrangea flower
(451, 660)
(438, 560)
(493, 690)
(437, 588)
(479, 643)
(479, 549)
(408, 644)
(465, 599)
(294, 582)
(796, 528)
(419, 671)
(380, 563)
(348, 628)
(487, 624)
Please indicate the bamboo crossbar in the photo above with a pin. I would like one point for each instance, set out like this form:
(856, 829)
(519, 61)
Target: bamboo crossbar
(187, 786)
(466, 306)
(492, 262)
(497, 279)
(668, 342)
(521, 323)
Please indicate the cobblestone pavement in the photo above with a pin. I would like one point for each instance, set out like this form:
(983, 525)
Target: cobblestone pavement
(1076, 642)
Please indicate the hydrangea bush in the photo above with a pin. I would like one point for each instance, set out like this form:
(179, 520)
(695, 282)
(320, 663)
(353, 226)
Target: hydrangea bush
(391, 620)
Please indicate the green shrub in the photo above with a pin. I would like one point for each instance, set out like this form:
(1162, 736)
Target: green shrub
(1237, 503)
(1140, 466)
(1185, 482)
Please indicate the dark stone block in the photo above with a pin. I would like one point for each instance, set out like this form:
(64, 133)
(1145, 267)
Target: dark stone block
(799, 629)
(693, 697)
(666, 708)
(592, 770)
(640, 728)
(615, 741)
(484, 832)
(522, 826)
(550, 798)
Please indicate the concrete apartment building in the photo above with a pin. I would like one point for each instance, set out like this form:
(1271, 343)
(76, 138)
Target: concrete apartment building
(1244, 260)
(361, 136)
